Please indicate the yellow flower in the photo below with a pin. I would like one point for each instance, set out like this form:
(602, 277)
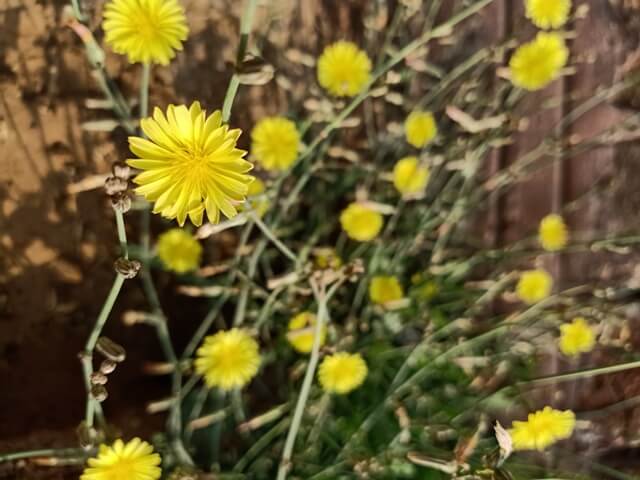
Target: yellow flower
(552, 233)
(542, 429)
(385, 289)
(256, 198)
(228, 359)
(145, 30)
(536, 64)
(534, 285)
(301, 330)
(344, 69)
(190, 164)
(576, 337)
(420, 128)
(179, 250)
(274, 143)
(134, 460)
(548, 13)
(409, 177)
(342, 372)
(326, 257)
(361, 222)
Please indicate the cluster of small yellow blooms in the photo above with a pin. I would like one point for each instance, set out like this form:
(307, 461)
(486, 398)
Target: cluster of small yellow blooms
(420, 128)
(179, 250)
(274, 143)
(542, 429)
(343, 69)
(534, 285)
(576, 337)
(360, 222)
(385, 289)
(552, 233)
(342, 372)
(301, 332)
(409, 176)
(134, 460)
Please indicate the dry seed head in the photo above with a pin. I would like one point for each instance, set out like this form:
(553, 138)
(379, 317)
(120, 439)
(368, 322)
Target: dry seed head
(127, 268)
(114, 185)
(121, 202)
(99, 393)
(98, 378)
(121, 170)
(111, 349)
(107, 366)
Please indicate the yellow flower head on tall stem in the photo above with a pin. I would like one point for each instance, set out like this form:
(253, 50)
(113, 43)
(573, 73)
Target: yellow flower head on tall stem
(275, 142)
(420, 128)
(536, 64)
(384, 289)
(179, 250)
(542, 429)
(134, 460)
(228, 359)
(409, 176)
(534, 285)
(190, 164)
(576, 337)
(360, 222)
(548, 14)
(552, 233)
(342, 372)
(147, 31)
(343, 69)
(301, 332)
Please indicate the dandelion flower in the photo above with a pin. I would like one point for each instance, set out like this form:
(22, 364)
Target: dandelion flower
(420, 128)
(190, 164)
(552, 233)
(360, 222)
(536, 64)
(344, 69)
(534, 285)
(342, 372)
(274, 143)
(326, 257)
(145, 30)
(542, 429)
(301, 332)
(385, 289)
(576, 337)
(134, 460)
(179, 250)
(409, 177)
(228, 359)
(548, 13)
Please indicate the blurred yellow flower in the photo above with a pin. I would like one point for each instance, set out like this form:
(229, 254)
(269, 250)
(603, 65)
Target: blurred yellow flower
(179, 250)
(145, 30)
(134, 460)
(228, 359)
(534, 285)
(301, 330)
(360, 222)
(326, 257)
(409, 177)
(576, 337)
(420, 128)
(385, 289)
(536, 64)
(342, 372)
(548, 13)
(344, 69)
(275, 142)
(190, 164)
(256, 198)
(542, 429)
(552, 233)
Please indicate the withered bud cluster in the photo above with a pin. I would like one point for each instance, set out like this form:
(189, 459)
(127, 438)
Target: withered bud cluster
(127, 268)
(113, 354)
(117, 186)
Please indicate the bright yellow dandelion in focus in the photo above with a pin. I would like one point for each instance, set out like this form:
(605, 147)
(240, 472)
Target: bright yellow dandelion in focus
(134, 460)
(409, 177)
(228, 359)
(301, 332)
(179, 250)
(191, 164)
(420, 128)
(343, 69)
(145, 30)
(548, 13)
(552, 233)
(384, 289)
(542, 429)
(360, 222)
(342, 372)
(275, 142)
(536, 64)
(576, 337)
(534, 285)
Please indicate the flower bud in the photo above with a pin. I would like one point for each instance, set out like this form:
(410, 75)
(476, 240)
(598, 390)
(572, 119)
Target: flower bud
(99, 393)
(111, 349)
(127, 268)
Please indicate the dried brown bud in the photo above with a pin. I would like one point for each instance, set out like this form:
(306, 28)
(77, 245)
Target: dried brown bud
(87, 436)
(121, 202)
(121, 170)
(99, 393)
(111, 349)
(127, 268)
(107, 366)
(98, 378)
(113, 185)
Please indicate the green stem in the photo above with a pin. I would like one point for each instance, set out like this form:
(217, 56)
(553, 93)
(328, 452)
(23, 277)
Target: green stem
(274, 239)
(586, 373)
(49, 452)
(144, 90)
